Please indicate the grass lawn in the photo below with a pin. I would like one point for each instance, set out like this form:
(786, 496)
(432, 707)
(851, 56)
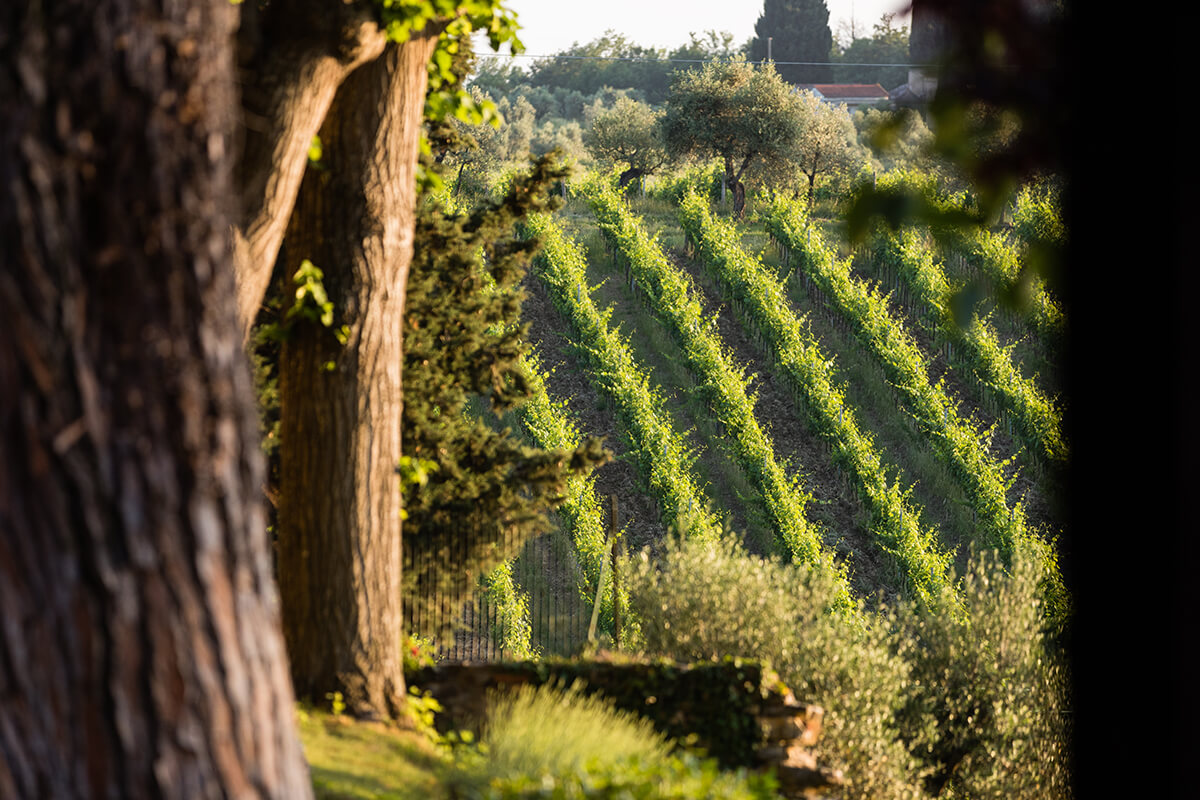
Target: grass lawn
(368, 761)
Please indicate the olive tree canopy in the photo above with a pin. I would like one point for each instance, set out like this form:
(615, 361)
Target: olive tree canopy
(735, 111)
(629, 134)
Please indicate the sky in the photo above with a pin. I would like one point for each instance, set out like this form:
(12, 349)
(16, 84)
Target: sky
(549, 26)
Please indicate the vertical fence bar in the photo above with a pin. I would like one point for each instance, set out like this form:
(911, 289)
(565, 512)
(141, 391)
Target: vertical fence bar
(557, 601)
(542, 609)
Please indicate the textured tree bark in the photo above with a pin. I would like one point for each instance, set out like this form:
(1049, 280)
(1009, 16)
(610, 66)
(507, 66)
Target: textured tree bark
(339, 516)
(295, 58)
(140, 647)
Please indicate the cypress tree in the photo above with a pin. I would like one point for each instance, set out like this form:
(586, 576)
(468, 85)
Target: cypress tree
(799, 30)
(487, 493)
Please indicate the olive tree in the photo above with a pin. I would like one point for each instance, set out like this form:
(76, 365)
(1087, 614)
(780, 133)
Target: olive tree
(628, 134)
(827, 145)
(735, 111)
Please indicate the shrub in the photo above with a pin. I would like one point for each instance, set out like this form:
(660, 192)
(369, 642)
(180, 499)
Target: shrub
(703, 178)
(950, 702)
(684, 777)
(706, 602)
(995, 685)
(547, 729)
(547, 742)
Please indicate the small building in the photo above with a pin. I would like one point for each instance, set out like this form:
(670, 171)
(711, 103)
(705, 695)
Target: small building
(851, 95)
(921, 86)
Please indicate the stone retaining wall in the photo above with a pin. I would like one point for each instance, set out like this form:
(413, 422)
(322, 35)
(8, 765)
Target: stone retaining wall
(724, 708)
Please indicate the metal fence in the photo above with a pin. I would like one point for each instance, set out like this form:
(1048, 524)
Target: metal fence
(469, 627)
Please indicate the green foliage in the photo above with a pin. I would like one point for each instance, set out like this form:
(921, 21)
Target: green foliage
(548, 729)
(705, 601)
(734, 111)
(632, 67)
(312, 303)
(886, 45)
(800, 32)
(759, 300)
(403, 18)
(489, 492)
(337, 703)
(588, 75)
(661, 454)
(498, 76)
(315, 152)
(549, 743)
(512, 628)
(708, 705)
(549, 423)
(423, 708)
(452, 60)
(906, 198)
(924, 700)
(998, 114)
(628, 134)
(720, 381)
(995, 686)
(960, 442)
(266, 390)
(1041, 237)
(527, 128)
(683, 777)
(897, 139)
(1036, 419)
(826, 148)
(703, 179)
(419, 652)
(1038, 217)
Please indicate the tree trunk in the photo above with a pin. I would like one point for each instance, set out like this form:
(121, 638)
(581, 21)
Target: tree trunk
(140, 649)
(739, 188)
(629, 176)
(339, 518)
(294, 63)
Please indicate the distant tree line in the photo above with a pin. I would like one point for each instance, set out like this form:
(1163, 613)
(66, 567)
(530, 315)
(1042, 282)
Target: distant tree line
(560, 83)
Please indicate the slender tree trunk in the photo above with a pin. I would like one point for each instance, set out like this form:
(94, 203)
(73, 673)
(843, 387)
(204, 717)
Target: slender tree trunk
(739, 188)
(339, 518)
(140, 648)
(295, 59)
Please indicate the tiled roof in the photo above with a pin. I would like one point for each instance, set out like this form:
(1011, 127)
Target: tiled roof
(841, 90)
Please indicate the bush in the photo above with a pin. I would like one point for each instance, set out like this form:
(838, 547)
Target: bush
(547, 742)
(546, 729)
(966, 701)
(703, 178)
(683, 777)
(706, 602)
(995, 686)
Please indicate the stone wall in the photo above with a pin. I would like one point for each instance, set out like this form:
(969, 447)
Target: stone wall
(726, 708)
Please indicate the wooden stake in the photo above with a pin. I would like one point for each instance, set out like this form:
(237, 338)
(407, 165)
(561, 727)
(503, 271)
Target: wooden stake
(615, 574)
